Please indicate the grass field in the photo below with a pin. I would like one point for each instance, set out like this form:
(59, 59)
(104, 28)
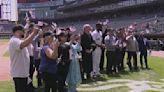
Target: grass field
(4, 40)
(155, 73)
(118, 89)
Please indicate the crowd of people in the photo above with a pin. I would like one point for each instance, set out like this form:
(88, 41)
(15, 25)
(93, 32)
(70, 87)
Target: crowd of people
(63, 59)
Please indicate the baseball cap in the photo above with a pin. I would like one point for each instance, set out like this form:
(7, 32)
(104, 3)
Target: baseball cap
(48, 33)
(18, 28)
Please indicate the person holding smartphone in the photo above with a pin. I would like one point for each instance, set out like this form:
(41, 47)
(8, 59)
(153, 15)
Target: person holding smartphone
(19, 57)
(63, 66)
(48, 65)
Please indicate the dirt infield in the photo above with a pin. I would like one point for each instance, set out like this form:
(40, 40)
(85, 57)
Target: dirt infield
(4, 63)
(158, 53)
(4, 70)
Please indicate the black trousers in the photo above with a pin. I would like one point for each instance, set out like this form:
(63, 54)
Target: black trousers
(118, 60)
(134, 56)
(102, 60)
(20, 84)
(122, 58)
(87, 63)
(32, 69)
(110, 61)
(62, 75)
(143, 54)
(81, 68)
(39, 77)
(50, 81)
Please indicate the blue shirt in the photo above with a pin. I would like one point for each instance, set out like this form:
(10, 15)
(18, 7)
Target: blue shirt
(47, 64)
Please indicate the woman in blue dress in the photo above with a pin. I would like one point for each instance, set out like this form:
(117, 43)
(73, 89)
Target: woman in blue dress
(74, 74)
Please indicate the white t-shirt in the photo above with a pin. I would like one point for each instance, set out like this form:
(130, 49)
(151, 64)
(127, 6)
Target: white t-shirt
(97, 37)
(19, 59)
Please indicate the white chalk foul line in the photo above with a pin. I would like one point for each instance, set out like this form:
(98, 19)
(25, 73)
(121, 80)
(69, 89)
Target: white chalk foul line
(135, 86)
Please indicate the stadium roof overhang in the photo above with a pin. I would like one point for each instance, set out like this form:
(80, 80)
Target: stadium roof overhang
(86, 4)
(100, 14)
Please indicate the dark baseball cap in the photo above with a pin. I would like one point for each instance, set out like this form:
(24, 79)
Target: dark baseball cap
(48, 33)
(18, 28)
(62, 34)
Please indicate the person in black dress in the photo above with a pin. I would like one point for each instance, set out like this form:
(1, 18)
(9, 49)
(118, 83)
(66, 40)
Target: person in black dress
(103, 51)
(87, 44)
(63, 66)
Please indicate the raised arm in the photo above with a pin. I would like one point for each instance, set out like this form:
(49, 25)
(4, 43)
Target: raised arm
(53, 54)
(29, 39)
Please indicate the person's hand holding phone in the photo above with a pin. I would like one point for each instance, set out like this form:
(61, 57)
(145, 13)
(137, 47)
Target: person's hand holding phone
(56, 43)
(36, 30)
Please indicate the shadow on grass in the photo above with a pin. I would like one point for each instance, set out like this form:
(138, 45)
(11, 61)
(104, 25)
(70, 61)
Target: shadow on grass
(94, 80)
(147, 69)
(135, 70)
(42, 89)
(124, 72)
(114, 75)
(39, 90)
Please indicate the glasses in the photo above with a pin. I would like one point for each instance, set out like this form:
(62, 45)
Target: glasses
(65, 36)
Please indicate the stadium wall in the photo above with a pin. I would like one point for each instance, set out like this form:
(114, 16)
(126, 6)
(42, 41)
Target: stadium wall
(32, 1)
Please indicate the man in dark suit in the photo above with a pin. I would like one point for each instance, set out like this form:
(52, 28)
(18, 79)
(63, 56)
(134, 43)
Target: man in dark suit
(143, 45)
(103, 51)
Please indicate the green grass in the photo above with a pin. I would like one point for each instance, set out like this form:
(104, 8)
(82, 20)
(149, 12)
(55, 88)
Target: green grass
(6, 54)
(123, 89)
(155, 73)
(4, 40)
(152, 91)
(157, 65)
(108, 83)
(6, 86)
